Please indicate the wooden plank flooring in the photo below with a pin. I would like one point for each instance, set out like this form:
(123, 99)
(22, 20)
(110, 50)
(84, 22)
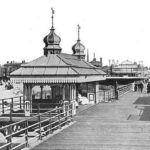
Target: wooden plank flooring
(104, 126)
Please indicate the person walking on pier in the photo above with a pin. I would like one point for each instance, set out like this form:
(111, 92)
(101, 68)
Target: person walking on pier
(135, 87)
(148, 87)
(141, 87)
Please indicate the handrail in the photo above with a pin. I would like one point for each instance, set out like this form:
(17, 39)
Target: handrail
(62, 116)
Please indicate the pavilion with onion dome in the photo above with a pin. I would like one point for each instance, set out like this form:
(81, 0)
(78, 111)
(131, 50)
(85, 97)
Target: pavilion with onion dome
(58, 76)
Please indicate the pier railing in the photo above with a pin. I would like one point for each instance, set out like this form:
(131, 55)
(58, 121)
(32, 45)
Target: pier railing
(9, 106)
(124, 89)
(110, 94)
(14, 102)
(44, 124)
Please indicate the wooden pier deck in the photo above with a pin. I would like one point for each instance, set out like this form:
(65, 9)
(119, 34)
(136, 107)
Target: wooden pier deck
(106, 126)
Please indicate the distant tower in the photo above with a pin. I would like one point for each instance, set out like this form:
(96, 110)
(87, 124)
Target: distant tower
(78, 48)
(52, 40)
(87, 55)
(94, 58)
(101, 61)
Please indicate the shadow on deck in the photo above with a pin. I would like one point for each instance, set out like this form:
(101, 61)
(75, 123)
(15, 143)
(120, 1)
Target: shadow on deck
(145, 115)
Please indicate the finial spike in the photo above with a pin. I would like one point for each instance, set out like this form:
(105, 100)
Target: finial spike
(78, 32)
(52, 17)
(94, 55)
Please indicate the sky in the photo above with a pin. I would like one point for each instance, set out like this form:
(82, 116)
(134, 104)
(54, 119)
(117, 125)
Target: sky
(112, 29)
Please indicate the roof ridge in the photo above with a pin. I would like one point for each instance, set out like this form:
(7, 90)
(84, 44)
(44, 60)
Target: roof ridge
(63, 59)
(74, 70)
(28, 64)
(88, 63)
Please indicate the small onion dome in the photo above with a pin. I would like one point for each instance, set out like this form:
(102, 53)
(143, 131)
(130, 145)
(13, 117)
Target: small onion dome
(78, 48)
(52, 38)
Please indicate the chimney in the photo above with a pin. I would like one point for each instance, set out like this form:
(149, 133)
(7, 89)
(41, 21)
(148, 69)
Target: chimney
(101, 61)
(23, 61)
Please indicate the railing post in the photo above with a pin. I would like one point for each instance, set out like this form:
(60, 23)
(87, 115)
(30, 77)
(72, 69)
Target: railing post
(26, 133)
(50, 123)
(9, 139)
(11, 111)
(71, 110)
(104, 96)
(12, 102)
(66, 107)
(23, 103)
(2, 106)
(39, 120)
(59, 117)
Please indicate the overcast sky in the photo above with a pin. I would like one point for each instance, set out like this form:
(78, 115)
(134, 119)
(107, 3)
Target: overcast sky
(113, 29)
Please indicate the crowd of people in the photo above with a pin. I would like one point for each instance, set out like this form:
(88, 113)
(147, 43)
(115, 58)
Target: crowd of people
(142, 86)
(7, 84)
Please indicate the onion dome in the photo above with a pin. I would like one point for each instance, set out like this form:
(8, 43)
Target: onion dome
(78, 48)
(52, 38)
(52, 41)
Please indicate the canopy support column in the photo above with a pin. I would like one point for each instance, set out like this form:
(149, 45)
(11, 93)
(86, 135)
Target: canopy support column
(41, 92)
(97, 98)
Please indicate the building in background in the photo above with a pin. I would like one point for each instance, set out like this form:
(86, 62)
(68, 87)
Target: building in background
(128, 68)
(97, 63)
(9, 67)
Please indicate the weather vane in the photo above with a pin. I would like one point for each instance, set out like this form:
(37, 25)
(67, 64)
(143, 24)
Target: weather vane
(52, 15)
(78, 32)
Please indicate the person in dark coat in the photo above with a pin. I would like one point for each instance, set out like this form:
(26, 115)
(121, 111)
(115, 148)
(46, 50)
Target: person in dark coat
(135, 87)
(141, 87)
(148, 87)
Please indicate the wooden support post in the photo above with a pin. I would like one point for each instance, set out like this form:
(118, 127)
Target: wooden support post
(104, 96)
(77, 92)
(116, 91)
(26, 133)
(41, 92)
(97, 97)
(71, 110)
(20, 103)
(63, 92)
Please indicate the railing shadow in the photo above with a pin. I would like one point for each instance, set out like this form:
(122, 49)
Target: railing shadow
(145, 116)
(143, 100)
(145, 109)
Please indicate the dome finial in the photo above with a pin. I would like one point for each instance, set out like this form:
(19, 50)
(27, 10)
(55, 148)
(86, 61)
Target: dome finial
(52, 17)
(78, 32)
